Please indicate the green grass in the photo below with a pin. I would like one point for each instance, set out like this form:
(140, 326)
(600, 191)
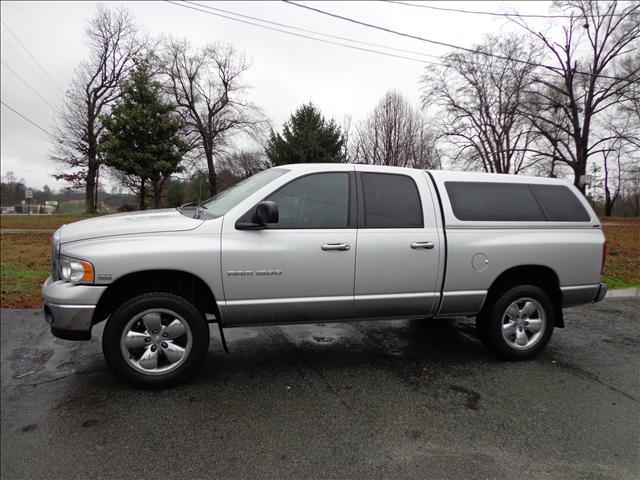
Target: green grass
(622, 268)
(20, 278)
(617, 282)
(25, 264)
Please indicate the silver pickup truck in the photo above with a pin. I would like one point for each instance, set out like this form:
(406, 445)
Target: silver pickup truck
(321, 243)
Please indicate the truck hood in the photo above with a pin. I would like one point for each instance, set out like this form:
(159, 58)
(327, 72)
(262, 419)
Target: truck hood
(147, 221)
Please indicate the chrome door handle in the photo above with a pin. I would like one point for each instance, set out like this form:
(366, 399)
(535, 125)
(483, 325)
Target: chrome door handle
(335, 246)
(426, 245)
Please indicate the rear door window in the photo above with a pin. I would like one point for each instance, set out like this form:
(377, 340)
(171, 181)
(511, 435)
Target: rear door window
(390, 201)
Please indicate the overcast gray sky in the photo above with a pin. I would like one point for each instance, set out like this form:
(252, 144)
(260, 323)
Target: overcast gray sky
(286, 71)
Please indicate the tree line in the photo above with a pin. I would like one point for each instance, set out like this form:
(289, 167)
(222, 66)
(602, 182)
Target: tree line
(161, 116)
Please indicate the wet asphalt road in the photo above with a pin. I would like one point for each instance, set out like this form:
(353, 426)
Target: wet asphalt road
(369, 400)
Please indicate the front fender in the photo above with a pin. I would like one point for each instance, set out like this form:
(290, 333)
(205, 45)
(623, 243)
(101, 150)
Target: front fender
(196, 252)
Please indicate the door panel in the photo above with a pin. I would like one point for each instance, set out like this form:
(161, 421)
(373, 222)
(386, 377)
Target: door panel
(300, 269)
(281, 276)
(393, 279)
(397, 269)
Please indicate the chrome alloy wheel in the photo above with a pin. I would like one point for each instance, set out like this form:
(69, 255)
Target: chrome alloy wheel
(523, 323)
(156, 341)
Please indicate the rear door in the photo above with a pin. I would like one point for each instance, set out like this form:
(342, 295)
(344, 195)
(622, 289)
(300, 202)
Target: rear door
(398, 248)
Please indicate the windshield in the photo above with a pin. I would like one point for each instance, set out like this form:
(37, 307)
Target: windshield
(221, 203)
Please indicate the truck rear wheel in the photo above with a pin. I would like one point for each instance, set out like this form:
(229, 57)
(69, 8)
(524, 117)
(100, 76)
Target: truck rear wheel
(155, 340)
(518, 324)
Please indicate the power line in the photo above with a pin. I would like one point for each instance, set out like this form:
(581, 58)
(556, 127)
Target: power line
(26, 84)
(181, 4)
(32, 57)
(35, 72)
(314, 31)
(437, 42)
(471, 62)
(493, 14)
(28, 120)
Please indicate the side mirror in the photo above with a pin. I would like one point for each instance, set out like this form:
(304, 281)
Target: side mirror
(265, 212)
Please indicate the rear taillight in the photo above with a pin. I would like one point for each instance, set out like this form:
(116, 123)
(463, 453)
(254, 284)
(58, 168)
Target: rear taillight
(604, 257)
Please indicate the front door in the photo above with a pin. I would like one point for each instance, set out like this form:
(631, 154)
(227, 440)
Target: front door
(300, 269)
(398, 251)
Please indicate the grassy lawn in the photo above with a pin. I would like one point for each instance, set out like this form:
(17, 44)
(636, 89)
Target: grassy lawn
(25, 264)
(622, 268)
(26, 258)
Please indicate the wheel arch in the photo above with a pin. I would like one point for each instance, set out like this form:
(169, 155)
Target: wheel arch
(185, 284)
(539, 275)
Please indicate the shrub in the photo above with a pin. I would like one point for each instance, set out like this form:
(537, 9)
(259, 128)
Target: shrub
(127, 207)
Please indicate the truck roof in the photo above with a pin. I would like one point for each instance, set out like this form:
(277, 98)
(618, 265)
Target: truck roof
(438, 175)
(451, 175)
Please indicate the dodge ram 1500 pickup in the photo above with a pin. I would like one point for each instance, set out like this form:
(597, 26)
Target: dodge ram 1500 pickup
(321, 243)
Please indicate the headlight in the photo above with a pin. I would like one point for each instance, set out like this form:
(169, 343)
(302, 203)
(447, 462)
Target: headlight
(76, 271)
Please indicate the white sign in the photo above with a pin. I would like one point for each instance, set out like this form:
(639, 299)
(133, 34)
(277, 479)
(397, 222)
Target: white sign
(28, 193)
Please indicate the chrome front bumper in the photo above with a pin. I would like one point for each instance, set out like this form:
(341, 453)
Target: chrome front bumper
(69, 308)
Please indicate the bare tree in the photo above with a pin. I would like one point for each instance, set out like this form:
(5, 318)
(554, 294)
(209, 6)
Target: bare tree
(584, 82)
(630, 106)
(346, 128)
(481, 98)
(612, 178)
(207, 86)
(630, 191)
(113, 46)
(618, 149)
(244, 163)
(395, 133)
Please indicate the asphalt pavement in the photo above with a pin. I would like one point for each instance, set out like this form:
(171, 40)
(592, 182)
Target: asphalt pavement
(393, 399)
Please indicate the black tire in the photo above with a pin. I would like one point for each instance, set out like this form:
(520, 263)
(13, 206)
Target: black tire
(113, 331)
(490, 323)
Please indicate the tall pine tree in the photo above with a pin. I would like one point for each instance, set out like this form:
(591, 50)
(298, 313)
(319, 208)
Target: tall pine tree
(142, 135)
(306, 138)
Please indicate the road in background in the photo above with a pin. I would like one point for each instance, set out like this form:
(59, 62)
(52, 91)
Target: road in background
(405, 399)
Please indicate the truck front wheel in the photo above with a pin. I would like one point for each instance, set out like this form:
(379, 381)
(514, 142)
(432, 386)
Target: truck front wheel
(518, 323)
(155, 340)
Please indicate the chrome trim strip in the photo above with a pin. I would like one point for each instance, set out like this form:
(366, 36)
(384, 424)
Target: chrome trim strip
(545, 226)
(462, 302)
(269, 301)
(58, 305)
(579, 287)
(393, 296)
(341, 298)
(460, 293)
